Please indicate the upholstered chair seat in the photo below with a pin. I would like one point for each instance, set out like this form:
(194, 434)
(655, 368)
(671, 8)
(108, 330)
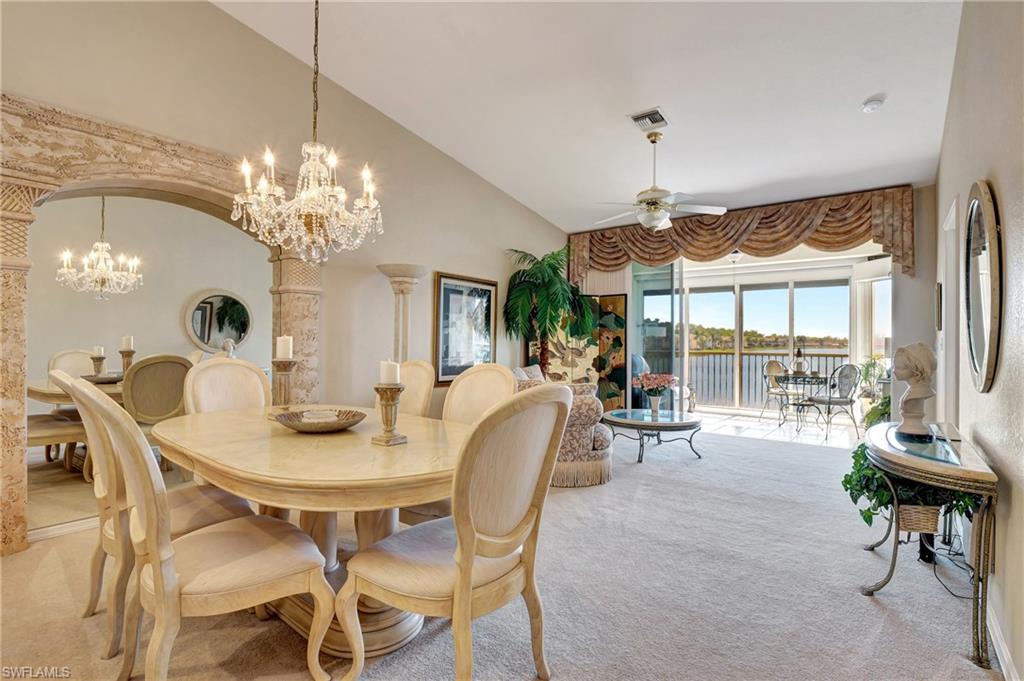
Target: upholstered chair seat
(826, 400)
(420, 561)
(239, 554)
(585, 457)
(195, 506)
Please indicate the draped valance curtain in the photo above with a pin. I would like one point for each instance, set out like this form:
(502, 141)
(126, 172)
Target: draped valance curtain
(830, 223)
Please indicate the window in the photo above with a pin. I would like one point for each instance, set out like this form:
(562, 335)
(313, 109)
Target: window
(881, 317)
(821, 317)
(712, 342)
(765, 337)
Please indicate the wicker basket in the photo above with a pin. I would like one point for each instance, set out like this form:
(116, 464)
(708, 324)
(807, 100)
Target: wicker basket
(919, 518)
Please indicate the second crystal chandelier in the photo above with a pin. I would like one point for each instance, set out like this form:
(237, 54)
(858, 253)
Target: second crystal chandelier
(316, 220)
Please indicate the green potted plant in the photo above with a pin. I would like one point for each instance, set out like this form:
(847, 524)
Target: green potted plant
(920, 504)
(540, 299)
(871, 372)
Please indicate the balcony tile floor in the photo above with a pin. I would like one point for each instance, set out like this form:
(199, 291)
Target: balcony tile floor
(842, 434)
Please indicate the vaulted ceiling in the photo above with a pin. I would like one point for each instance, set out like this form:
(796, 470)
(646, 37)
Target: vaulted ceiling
(763, 100)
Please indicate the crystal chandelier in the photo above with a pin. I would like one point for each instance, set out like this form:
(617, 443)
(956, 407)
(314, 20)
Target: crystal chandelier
(316, 220)
(99, 274)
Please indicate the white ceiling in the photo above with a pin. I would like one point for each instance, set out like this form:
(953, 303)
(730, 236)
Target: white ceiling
(763, 100)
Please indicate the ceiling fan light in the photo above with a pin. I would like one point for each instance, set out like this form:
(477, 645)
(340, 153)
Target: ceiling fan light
(655, 219)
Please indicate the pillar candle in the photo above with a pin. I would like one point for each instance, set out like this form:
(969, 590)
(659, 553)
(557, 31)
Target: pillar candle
(97, 351)
(389, 372)
(127, 342)
(284, 347)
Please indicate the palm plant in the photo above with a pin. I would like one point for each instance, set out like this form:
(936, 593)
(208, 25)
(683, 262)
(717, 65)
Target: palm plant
(540, 298)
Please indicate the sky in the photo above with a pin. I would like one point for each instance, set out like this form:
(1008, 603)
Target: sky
(819, 311)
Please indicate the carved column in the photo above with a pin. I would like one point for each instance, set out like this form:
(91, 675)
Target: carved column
(16, 201)
(296, 308)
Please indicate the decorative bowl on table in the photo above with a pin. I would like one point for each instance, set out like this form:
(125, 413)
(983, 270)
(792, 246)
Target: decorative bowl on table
(320, 420)
(104, 379)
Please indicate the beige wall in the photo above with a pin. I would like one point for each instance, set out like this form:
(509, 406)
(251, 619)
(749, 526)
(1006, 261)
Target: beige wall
(189, 71)
(984, 139)
(913, 298)
(183, 252)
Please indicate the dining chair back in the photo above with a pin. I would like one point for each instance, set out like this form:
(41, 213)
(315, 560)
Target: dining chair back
(106, 479)
(224, 567)
(773, 368)
(845, 380)
(111, 509)
(222, 383)
(418, 378)
(196, 356)
(501, 483)
(504, 470)
(75, 363)
(154, 387)
(476, 390)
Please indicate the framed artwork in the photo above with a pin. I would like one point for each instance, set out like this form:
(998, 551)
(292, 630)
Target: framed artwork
(202, 320)
(464, 324)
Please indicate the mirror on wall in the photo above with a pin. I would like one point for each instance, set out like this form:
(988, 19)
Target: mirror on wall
(214, 316)
(982, 285)
(184, 253)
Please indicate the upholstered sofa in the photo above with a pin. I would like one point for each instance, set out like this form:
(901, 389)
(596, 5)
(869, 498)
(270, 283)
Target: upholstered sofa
(585, 457)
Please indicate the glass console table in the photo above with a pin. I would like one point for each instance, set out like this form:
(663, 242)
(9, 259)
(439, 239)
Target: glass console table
(945, 460)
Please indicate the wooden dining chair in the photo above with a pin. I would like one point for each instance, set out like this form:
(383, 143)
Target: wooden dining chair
(472, 393)
(222, 383)
(153, 390)
(468, 565)
(190, 508)
(196, 356)
(221, 568)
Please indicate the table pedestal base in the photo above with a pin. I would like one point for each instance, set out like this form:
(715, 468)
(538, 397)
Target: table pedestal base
(383, 632)
(385, 629)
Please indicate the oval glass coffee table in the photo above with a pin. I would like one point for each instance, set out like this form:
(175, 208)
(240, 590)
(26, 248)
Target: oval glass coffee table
(650, 425)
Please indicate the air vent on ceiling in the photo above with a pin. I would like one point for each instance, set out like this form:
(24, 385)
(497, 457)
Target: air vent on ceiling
(649, 120)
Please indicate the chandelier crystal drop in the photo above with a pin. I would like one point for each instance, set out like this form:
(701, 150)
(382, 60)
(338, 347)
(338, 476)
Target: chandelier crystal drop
(99, 273)
(316, 220)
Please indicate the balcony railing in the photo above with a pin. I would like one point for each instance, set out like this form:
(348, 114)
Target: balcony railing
(711, 372)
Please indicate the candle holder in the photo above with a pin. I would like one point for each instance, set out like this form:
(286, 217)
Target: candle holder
(389, 394)
(126, 359)
(283, 380)
(99, 365)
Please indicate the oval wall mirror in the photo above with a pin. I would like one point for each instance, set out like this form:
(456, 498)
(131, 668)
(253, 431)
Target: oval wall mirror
(215, 315)
(983, 285)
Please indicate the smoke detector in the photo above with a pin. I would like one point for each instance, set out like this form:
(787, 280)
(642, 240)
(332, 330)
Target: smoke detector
(872, 103)
(649, 120)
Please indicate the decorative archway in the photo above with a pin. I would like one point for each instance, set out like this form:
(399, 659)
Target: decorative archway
(51, 153)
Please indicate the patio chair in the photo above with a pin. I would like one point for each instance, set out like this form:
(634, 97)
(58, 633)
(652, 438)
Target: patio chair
(773, 391)
(842, 390)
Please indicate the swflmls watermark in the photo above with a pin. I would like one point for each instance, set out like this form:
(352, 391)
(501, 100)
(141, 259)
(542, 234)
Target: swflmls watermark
(26, 672)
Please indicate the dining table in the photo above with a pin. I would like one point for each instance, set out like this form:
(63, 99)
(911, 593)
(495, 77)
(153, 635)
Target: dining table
(247, 452)
(42, 390)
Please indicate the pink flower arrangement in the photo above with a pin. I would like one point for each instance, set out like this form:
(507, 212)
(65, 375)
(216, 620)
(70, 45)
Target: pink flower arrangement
(654, 384)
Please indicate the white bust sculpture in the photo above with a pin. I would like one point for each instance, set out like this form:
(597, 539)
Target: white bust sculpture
(914, 364)
(228, 346)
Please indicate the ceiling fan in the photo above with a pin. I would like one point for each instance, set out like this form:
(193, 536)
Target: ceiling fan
(654, 206)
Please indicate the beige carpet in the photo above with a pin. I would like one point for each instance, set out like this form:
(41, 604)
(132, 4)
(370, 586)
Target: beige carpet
(743, 566)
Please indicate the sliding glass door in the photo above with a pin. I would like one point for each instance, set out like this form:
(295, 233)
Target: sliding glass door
(711, 345)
